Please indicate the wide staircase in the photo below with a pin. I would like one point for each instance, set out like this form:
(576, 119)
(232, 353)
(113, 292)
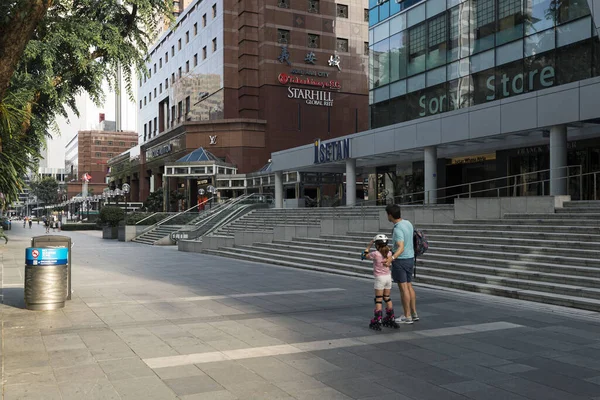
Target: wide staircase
(266, 219)
(548, 258)
(156, 234)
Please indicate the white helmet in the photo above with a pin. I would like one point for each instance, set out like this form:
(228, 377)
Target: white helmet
(380, 238)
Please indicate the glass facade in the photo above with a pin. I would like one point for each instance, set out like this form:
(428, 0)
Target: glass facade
(440, 56)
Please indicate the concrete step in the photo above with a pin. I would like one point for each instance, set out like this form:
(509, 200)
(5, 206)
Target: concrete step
(529, 295)
(250, 254)
(495, 234)
(532, 222)
(585, 211)
(526, 284)
(475, 265)
(562, 278)
(570, 215)
(501, 254)
(582, 204)
(508, 226)
(528, 265)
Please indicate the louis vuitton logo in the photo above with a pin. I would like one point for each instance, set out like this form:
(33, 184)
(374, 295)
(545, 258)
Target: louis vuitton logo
(213, 139)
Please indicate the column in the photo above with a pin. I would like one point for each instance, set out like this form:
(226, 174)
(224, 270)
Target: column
(350, 181)
(430, 157)
(278, 189)
(558, 160)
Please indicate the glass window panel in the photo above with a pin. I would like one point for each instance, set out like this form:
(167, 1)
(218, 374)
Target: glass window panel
(596, 55)
(399, 88)
(458, 44)
(540, 71)
(436, 76)
(574, 62)
(510, 80)
(394, 7)
(374, 16)
(434, 7)
(510, 21)
(398, 110)
(509, 52)
(381, 32)
(539, 43)
(568, 10)
(430, 101)
(483, 24)
(437, 42)
(480, 62)
(484, 88)
(398, 56)
(381, 94)
(381, 68)
(384, 10)
(373, 3)
(416, 83)
(540, 15)
(398, 24)
(380, 114)
(417, 49)
(459, 93)
(574, 32)
(416, 15)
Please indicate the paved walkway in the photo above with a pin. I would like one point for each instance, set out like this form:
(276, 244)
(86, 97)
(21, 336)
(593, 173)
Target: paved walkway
(153, 323)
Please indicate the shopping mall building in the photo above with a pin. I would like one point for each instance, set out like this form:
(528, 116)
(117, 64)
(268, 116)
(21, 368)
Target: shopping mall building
(502, 91)
(237, 81)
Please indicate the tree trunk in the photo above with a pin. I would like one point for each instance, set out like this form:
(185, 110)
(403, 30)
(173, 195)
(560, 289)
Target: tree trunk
(15, 35)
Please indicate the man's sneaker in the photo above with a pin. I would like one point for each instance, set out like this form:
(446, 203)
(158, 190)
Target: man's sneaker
(415, 317)
(405, 321)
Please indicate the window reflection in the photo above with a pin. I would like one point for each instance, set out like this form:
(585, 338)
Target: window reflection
(510, 21)
(483, 24)
(458, 44)
(398, 56)
(381, 68)
(568, 10)
(417, 49)
(540, 16)
(437, 35)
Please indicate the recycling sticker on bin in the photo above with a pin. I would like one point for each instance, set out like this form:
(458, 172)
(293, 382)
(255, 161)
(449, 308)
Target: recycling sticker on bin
(45, 256)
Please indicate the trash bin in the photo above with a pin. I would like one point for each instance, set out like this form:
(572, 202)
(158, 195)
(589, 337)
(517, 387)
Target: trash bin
(46, 277)
(53, 242)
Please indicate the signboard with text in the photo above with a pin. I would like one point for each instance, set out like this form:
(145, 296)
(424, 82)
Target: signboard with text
(46, 256)
(335, 150)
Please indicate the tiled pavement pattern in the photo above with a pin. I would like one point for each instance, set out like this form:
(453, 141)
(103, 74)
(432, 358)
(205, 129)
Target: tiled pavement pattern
(153, 323)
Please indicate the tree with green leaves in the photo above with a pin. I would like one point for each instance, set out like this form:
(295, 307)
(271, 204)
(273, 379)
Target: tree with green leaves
(53, 50)
(46, 190)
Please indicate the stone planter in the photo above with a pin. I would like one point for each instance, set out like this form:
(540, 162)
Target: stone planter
(129, 232)
(110, 232)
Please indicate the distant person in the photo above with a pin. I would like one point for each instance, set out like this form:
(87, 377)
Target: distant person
(403, 262)
(47, 225)
(24, 222)
(30, 223)
(383, 283)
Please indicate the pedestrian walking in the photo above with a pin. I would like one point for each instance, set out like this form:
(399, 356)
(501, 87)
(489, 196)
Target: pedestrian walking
(30, 223)
(47, 225)
(383, 283)
(403, 262)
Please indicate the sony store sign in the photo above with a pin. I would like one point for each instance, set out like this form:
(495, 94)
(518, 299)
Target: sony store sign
(312, 97)
(335, 150)
(505, 86)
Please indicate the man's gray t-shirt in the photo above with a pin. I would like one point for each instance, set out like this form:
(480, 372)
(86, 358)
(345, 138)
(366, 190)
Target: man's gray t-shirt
(403, 232)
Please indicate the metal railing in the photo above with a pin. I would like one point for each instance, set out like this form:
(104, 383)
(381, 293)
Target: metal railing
(514, 182)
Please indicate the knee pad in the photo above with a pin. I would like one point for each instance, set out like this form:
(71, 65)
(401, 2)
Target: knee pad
(387, 299)
(377, 299)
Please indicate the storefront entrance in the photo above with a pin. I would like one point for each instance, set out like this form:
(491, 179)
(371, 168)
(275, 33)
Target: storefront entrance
(462, 171)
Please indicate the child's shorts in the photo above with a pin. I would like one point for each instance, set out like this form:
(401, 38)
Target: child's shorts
(383, 282)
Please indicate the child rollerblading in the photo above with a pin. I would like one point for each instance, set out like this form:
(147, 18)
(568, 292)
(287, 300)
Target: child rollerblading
(383, 283)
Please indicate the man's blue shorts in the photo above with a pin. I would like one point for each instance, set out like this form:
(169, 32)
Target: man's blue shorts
(402, 270)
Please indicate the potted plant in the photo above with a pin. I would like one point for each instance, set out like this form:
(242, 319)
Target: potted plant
(109, 217)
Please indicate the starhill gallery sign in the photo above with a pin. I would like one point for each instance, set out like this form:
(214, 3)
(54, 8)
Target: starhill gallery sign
(313, 97)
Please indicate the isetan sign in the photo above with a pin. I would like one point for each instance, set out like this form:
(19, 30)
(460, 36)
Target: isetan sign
(312, 97)
(285, 79)
(335, 150)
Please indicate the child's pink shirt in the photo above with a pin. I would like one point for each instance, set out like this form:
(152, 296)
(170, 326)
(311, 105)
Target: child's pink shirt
(378, 268)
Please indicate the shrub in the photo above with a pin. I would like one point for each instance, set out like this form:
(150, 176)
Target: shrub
(80, 227)
(111, 216)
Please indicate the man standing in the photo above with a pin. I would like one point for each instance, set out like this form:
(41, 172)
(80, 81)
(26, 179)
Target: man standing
(403, 262)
